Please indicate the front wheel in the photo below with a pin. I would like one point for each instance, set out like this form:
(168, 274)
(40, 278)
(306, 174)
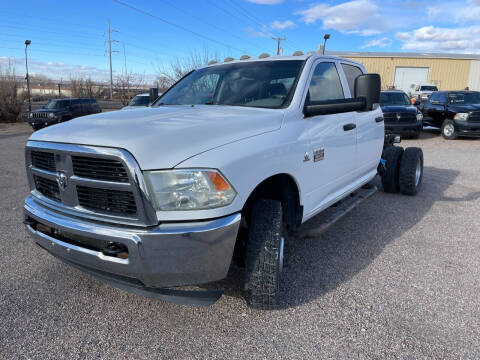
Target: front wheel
(264, 258)
(448, 130)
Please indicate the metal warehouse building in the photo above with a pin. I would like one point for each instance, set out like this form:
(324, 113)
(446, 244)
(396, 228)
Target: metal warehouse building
(447, 71)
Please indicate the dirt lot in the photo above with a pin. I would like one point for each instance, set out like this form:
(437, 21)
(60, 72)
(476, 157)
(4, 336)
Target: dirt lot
(398, 278)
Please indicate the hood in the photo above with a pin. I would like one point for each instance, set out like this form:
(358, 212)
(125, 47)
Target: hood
(46, 110)
(464, 107)
(399, 108)
(162, 137)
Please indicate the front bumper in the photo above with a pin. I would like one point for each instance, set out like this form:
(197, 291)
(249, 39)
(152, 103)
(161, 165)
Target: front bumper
(464, 128)
(169, 254)
(404, 129)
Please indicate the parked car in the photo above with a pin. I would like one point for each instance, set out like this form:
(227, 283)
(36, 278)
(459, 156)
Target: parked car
(401, 117)
(138, 101)
(60, 110)
(456, 113)
(227, 164)
(421, 92)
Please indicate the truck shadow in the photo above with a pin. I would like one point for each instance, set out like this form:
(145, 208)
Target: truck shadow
(316, 266)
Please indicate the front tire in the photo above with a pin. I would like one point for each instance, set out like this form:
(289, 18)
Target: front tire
(264, 257)
(411, 171)
(448, 130)
(392, 157)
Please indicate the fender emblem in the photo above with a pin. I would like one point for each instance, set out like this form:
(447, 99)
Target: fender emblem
(318, 155)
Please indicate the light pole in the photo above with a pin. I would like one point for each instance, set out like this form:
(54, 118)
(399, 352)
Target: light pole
(28, 42)
(325, 38)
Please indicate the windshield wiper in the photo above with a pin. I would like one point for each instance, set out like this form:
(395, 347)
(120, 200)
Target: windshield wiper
(209, 103)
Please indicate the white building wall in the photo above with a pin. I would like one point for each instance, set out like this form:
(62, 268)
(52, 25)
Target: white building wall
(474, 77)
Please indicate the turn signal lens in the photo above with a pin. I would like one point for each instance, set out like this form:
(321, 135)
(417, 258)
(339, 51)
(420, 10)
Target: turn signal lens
(218, 181)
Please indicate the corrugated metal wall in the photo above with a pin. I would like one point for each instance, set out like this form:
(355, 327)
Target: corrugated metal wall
(474, 78)
(447, 74)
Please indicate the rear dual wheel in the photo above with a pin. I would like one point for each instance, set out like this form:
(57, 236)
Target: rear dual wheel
(403, 170)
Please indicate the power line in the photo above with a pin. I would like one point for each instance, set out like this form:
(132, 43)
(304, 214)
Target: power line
(210, 24)
(175, 25)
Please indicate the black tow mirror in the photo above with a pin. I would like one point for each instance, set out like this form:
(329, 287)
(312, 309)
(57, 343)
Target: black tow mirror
(367, 86)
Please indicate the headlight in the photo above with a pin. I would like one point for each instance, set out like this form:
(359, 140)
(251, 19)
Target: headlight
(190, 189)
(461, 116)
(51, 115)
(419, 117)
(30, 115)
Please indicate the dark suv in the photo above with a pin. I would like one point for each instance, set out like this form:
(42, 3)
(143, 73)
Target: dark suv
(59, 110)
(457, 113)
(401, 117)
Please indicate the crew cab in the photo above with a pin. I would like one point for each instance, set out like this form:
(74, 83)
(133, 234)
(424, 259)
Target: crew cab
(225, 165)
(401, 117)
(456, 113)
(60, 110)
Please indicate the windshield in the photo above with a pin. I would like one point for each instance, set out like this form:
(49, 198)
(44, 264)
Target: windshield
(394, 98)
(140, 100)
(428, 88)
(464, 98)
(57, 104)
(265, 84)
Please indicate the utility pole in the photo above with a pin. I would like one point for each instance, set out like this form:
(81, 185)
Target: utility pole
(28, 42)
(110, 56)
(279, 49)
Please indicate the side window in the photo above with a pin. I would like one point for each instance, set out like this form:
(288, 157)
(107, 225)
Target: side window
(351, 72)
(325, 84)
(442, 97)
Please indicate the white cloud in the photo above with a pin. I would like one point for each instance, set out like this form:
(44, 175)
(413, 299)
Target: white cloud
(379, 43)
(431, 38)
(266, 2)
(354, 17)
(469, 13)
(279, 25)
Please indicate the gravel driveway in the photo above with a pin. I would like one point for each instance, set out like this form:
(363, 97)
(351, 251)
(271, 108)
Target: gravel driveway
(397, 278)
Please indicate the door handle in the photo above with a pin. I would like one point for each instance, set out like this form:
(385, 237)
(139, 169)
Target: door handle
(348, 127)
(379, 119)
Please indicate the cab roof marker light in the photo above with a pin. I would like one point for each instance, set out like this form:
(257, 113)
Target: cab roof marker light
(298, 53)
(244, 57)
(211, 62)
(228, 59)
(264, 55)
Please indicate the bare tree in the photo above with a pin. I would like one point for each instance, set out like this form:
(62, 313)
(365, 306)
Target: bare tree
(167, 74)
(11, 93)
(81, 87)
(127, 85)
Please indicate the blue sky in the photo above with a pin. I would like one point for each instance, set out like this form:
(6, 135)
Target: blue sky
(69, 37)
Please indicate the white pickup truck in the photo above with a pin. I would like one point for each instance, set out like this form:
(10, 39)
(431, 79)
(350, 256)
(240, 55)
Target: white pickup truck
(230, 160)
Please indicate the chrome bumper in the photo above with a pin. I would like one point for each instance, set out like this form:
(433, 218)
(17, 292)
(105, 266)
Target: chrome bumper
(170, 254)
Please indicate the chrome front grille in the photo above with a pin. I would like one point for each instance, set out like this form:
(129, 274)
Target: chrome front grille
(47, 187)
(99, 169)
(40, 115)
(474, 117)
(102, 184)
(43, 160)
(110, 201)
(400, 118)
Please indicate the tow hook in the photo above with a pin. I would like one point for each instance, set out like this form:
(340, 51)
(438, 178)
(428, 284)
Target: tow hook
(116, 250)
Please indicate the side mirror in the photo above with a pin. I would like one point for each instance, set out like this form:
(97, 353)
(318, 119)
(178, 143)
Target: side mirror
(416, 103)
(367, 86)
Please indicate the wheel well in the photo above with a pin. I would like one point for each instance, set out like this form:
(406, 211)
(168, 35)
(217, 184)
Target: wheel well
(280, 187)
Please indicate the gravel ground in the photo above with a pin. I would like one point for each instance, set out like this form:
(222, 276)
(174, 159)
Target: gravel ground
(397, 278)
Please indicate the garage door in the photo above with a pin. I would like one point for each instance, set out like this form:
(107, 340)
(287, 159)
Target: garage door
(406, 76)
